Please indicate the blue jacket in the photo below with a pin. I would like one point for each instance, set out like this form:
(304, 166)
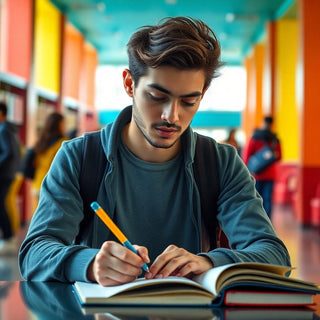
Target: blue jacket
(10, 154)
(49, 252)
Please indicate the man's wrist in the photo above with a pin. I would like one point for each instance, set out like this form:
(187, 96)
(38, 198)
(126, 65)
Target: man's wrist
(90, 272)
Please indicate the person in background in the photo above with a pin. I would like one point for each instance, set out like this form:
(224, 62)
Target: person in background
(72, 133)
(10, 156)
(48, 143)
(148, 185)
(231, 139)
(265, 179)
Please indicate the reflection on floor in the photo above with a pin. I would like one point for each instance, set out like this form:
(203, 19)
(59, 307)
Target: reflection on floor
(303, 245)
(9, 269)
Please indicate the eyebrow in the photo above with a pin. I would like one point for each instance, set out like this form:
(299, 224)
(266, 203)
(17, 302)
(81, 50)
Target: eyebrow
(189, 95)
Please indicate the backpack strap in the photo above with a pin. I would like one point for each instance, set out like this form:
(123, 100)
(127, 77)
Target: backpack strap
(207, 179)
(91, 174)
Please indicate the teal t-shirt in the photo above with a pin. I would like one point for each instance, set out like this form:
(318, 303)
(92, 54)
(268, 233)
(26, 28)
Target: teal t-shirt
(154, 194)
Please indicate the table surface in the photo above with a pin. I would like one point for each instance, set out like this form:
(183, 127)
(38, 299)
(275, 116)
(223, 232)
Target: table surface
(48, 301)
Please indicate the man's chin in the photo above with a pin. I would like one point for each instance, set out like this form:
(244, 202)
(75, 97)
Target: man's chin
(162, 143)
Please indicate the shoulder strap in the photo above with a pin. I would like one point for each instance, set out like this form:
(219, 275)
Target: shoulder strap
(92, 169)
(207, 179)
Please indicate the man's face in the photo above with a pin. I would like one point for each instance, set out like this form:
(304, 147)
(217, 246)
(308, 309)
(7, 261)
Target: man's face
(165, 102)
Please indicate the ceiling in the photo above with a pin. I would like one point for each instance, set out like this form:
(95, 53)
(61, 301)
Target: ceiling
(108, 24)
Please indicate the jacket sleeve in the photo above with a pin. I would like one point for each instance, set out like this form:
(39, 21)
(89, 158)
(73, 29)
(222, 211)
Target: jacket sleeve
(251, 235)
(48, 252)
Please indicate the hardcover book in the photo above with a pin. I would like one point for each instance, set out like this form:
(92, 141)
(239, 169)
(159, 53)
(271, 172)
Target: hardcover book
(239, 284)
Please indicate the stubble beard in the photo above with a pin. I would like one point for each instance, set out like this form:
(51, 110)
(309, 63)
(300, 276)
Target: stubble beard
(140, 125)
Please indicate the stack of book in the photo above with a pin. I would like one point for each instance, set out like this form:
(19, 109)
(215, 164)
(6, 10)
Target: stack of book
(239, 284)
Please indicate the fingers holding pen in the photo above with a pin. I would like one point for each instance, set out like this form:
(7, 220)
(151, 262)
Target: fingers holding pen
(114, 264)
(126, 257)
(143, 253)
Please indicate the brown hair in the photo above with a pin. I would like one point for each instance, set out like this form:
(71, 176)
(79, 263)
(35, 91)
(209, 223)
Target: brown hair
(50, 132)
(181, 42)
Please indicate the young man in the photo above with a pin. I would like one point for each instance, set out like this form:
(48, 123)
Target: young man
(148, 187)
(9, 165)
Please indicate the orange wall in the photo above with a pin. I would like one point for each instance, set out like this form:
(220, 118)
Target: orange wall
(309, 91)
(268, 95)
(253, 114)
(72, 60)
(3, 35)
(87, 87)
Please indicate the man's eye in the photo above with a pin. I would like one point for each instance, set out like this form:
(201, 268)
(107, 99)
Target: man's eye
(189, 104)
(154, 98)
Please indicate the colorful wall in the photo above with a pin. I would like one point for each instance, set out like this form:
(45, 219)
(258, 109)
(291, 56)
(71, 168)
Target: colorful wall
(283, 69)
(286, 112)
(45, 65)
(47, 46)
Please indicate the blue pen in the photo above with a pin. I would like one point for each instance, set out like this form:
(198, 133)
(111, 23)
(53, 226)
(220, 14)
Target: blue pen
(115, 230)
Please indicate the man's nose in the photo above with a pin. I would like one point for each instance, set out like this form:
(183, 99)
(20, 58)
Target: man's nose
(171, 112)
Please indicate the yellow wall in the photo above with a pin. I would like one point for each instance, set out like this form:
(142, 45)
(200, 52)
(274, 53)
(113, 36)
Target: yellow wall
(286, 113)
(47, 46)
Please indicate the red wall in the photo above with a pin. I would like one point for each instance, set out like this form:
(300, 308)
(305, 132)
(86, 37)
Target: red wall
(19, 37)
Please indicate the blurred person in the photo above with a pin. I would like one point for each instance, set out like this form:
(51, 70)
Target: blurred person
(231, 139)
(266, 178)
(9, 165)
(48, 143)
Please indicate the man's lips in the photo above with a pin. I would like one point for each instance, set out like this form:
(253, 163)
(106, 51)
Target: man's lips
(166, 132)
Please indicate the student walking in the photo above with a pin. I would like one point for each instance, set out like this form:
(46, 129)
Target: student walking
(9, 165)
(266, 178)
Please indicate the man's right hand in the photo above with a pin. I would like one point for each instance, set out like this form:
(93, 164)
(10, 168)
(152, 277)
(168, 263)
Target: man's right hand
(114, 264)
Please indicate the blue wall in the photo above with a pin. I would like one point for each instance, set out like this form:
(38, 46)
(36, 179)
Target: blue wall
(202, 119)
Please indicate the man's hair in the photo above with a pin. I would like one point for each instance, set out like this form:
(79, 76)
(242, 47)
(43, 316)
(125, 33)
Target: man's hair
(3, 108)
(268, 120)
(181, 42)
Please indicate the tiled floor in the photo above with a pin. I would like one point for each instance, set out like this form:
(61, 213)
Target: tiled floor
(303, 245)
(9, 269)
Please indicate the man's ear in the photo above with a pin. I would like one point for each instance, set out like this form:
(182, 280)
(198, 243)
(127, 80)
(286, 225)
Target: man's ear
(128, 82)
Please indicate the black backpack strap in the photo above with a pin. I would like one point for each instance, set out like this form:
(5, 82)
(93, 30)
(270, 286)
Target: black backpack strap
(206, 175)
(92, 170)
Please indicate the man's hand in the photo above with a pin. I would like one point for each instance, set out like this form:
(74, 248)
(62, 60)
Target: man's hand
(114, 264)
(179, 262)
